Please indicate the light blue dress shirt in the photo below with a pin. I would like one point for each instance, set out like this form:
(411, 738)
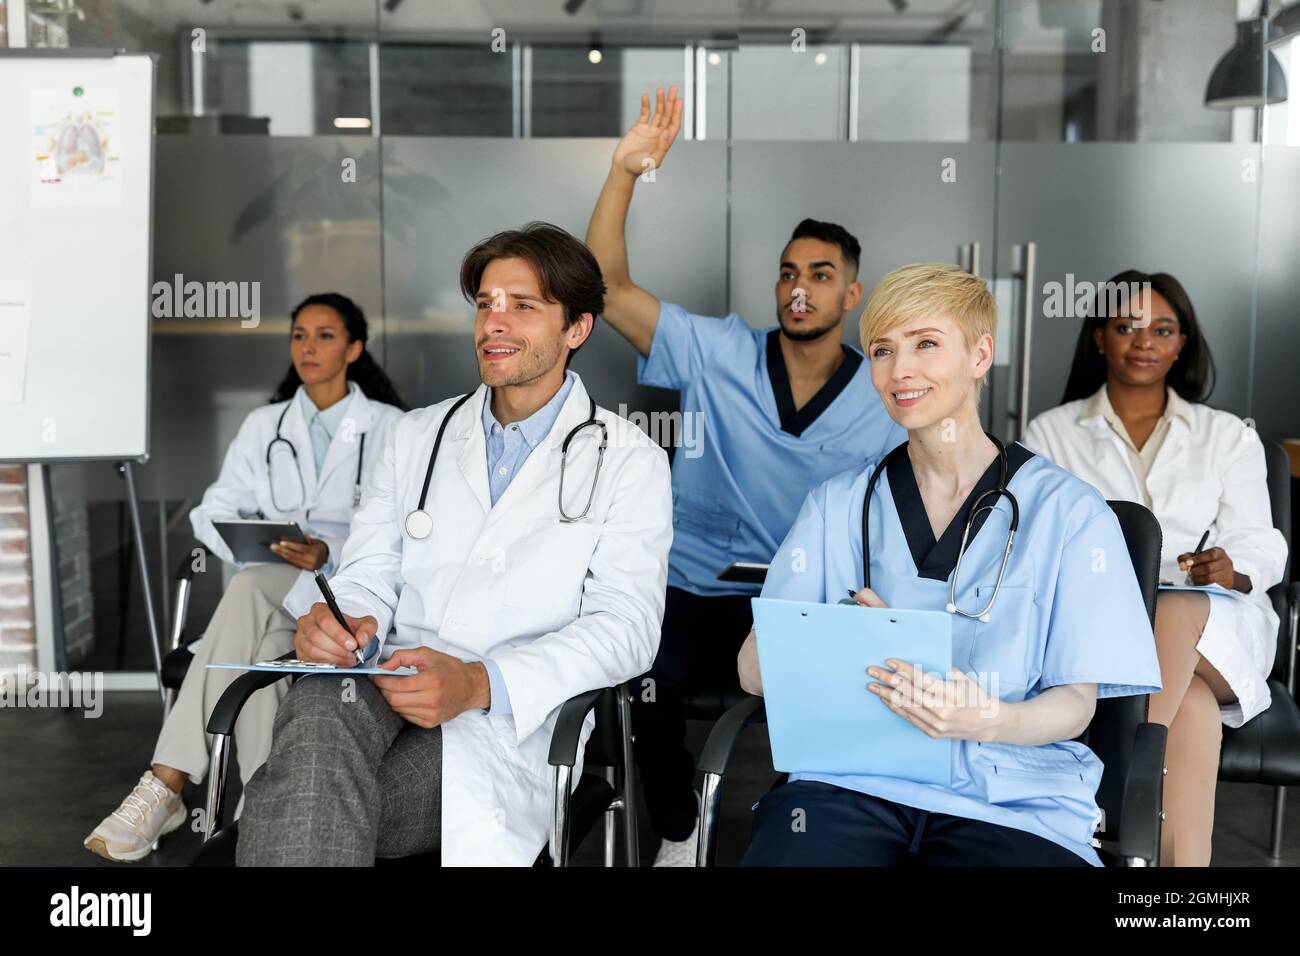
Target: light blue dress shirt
(321, 425)
(746, 458)
(508, 447)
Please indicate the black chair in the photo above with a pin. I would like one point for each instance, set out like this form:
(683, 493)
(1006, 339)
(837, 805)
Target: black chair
(1267, 748)
(1131, 749)
(178, 659)
(575, 812)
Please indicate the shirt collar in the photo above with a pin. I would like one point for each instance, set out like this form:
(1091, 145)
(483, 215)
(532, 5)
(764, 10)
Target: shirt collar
(537, 425)
(1098, 406)
(331, 416)
(1177, 407)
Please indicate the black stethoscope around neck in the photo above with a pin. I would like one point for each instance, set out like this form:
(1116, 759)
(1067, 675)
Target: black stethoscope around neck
(419, 523)
(996, 493)
(297, 468)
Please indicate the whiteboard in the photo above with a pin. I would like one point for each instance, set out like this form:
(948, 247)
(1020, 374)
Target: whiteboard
(76, 164)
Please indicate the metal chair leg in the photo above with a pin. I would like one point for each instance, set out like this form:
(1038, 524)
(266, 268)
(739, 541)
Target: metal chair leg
(1279, 822)
(218, 764)
(611, 821)
(710, 804)
(631, 844)
(560, 823)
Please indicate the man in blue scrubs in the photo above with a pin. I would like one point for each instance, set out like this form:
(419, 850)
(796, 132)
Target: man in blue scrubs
(779, 411)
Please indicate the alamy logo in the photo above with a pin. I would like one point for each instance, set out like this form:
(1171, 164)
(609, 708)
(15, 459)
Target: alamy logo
(1081, 299)
(684, 430)
(75, 909)
(208, 300)
(84, 691)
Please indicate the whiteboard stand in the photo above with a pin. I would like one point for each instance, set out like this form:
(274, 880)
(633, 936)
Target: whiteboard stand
(142, 562)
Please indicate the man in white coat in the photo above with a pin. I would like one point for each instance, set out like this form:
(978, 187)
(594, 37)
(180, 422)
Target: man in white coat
(511, 575)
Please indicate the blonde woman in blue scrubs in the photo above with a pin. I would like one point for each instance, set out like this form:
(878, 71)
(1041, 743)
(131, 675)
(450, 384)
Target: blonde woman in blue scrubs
(1068, 625)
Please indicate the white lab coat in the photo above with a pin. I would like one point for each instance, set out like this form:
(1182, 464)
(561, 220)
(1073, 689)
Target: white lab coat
(1209, 474)
(561, 607)
(244, 485)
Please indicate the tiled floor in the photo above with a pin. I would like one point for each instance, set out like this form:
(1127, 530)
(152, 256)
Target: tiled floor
(62, 773)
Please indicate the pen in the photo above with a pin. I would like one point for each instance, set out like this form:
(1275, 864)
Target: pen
(851, 599)
(338, 615)
(1200, 544)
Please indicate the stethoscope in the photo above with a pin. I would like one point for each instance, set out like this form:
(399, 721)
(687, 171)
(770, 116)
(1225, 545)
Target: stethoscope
(302, 487)
(997, 493)
(419, 523)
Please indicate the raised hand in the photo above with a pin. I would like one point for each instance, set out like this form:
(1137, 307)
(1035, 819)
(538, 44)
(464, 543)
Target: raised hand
(646, 143)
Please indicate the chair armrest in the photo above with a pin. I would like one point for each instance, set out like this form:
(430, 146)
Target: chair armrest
(568, 727)
(232, 701)
(185, 570)
(1139, 825)
(723, 736)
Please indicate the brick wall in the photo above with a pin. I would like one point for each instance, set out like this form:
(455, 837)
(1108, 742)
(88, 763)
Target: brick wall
(17, 618)
(17, 627)
(72, 532)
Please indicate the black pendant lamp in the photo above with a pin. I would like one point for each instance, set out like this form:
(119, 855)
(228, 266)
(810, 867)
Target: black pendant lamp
(1240, 78)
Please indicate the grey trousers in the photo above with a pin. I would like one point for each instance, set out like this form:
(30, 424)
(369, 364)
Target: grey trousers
(347, 780)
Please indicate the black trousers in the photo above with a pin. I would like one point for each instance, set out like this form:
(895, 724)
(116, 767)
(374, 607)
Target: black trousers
(697, 651)
(809, 823)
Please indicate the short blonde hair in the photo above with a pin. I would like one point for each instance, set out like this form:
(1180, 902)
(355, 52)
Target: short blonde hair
(930, 289)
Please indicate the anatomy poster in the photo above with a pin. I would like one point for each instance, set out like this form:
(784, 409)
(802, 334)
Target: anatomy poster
(75, 147)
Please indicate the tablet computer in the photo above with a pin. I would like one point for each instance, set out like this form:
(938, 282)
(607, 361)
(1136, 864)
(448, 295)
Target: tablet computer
(820, 716)
(249, 539)
(744, 572)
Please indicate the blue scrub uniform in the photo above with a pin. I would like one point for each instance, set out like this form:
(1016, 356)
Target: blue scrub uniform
(735, 496)
(1069, 612)
(736, 490)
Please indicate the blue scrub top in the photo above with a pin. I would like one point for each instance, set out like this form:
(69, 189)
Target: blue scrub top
(755, 458)
(1069, 612)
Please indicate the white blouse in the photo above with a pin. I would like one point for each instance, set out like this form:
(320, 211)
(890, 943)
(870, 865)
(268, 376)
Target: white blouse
(1209, 472)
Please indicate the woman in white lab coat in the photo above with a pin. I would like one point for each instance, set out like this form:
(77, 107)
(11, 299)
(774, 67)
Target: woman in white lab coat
(304, 457)
(1133, 423)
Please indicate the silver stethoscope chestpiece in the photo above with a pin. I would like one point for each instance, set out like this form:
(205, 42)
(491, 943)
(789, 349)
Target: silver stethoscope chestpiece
(419, 524)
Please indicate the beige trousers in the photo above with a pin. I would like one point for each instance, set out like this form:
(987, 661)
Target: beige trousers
(248, 625)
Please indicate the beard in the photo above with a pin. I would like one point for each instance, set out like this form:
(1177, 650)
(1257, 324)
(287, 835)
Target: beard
(528, 365)
(805, 333)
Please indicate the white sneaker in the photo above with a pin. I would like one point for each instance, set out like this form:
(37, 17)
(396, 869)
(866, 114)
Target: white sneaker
(149, 811)
(680, 852)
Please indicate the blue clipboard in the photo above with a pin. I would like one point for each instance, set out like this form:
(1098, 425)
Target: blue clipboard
(1212, 589)
(820, 716)
(288, 668)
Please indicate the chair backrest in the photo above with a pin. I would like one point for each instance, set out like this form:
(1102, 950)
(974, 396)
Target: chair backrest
(1278, 463)
(1116, 720)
